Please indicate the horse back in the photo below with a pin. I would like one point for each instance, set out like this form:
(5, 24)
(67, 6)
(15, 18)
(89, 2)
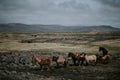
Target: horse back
(61, 59)
(45, 61)
(91, 57)
(105, 57)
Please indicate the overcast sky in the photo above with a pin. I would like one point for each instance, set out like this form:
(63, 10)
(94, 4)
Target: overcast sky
(64, 12)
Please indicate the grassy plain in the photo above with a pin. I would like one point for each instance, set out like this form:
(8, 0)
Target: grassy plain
(88, 42)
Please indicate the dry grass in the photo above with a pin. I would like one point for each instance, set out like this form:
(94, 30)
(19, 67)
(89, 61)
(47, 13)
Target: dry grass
(59, 47)
(111, 43)
(12, 42)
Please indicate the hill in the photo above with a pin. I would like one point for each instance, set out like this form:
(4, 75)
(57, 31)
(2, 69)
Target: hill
(25, 28)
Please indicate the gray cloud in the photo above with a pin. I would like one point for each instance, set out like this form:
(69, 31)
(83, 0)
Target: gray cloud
(65, 12)
(114, 3)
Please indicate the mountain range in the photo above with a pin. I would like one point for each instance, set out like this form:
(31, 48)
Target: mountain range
(25, 28)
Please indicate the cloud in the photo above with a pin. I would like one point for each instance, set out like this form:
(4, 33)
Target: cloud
(113, 3)
(65, 12)
(7, 5)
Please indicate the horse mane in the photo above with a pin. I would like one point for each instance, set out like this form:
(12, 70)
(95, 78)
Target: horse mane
(101, 48)
(104, 51)
(70, 54)
(84, 54)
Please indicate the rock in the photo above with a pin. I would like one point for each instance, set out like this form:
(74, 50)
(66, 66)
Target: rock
(15, 65)
(28, 73)
(22, 60)
(3, 73)
(7, 72)
(13, 72)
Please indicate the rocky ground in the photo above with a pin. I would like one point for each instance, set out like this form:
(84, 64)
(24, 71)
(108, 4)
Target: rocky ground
(20, 66)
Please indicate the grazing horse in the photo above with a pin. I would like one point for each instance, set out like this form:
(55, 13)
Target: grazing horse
(59, 60)
(76, 57)
(43, 62)
(103, 59)
(89, 59)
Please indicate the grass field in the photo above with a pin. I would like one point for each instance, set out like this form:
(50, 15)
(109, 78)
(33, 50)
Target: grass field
(88, 42)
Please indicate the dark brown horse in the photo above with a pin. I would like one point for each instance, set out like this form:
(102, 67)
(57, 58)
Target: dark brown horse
(59, 60)
(76, 58)
(43, 62)
(104, 58)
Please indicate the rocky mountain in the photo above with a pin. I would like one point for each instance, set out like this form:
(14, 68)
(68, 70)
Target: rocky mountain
(22, 28)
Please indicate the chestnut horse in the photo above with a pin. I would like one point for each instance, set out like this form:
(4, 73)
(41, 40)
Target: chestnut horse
(43, 62)
(76, 58)
(59, 60)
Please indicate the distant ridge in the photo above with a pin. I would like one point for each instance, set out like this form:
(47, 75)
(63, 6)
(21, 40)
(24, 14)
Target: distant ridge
(25, 28)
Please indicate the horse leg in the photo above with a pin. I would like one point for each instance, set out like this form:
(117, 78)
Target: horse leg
(65, 64)
(41, 67)
(82, 61)
(57, 64)
(74, 62)
(93, 63)
(87, 62)
(105, 62)
(48, 68)
(33, 62)
(79, 62)
(97, 61)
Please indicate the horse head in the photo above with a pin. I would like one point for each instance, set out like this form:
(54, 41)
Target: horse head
(54, 58)
(83, 55)
(70, 54)
(100, 49)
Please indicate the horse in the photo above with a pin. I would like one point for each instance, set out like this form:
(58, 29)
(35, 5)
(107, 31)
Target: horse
(59, 60)
(103, 59)
(76, 58)
(43, 62)
(89, 59)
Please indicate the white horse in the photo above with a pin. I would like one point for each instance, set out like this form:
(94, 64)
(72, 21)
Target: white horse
(89, 59)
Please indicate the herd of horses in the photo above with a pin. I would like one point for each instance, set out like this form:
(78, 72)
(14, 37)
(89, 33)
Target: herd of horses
(74, 59)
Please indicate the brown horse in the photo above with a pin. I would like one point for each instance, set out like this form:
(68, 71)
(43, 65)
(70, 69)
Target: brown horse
(59, 60)
(103, 59)
(43, 62)
(76, 58)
